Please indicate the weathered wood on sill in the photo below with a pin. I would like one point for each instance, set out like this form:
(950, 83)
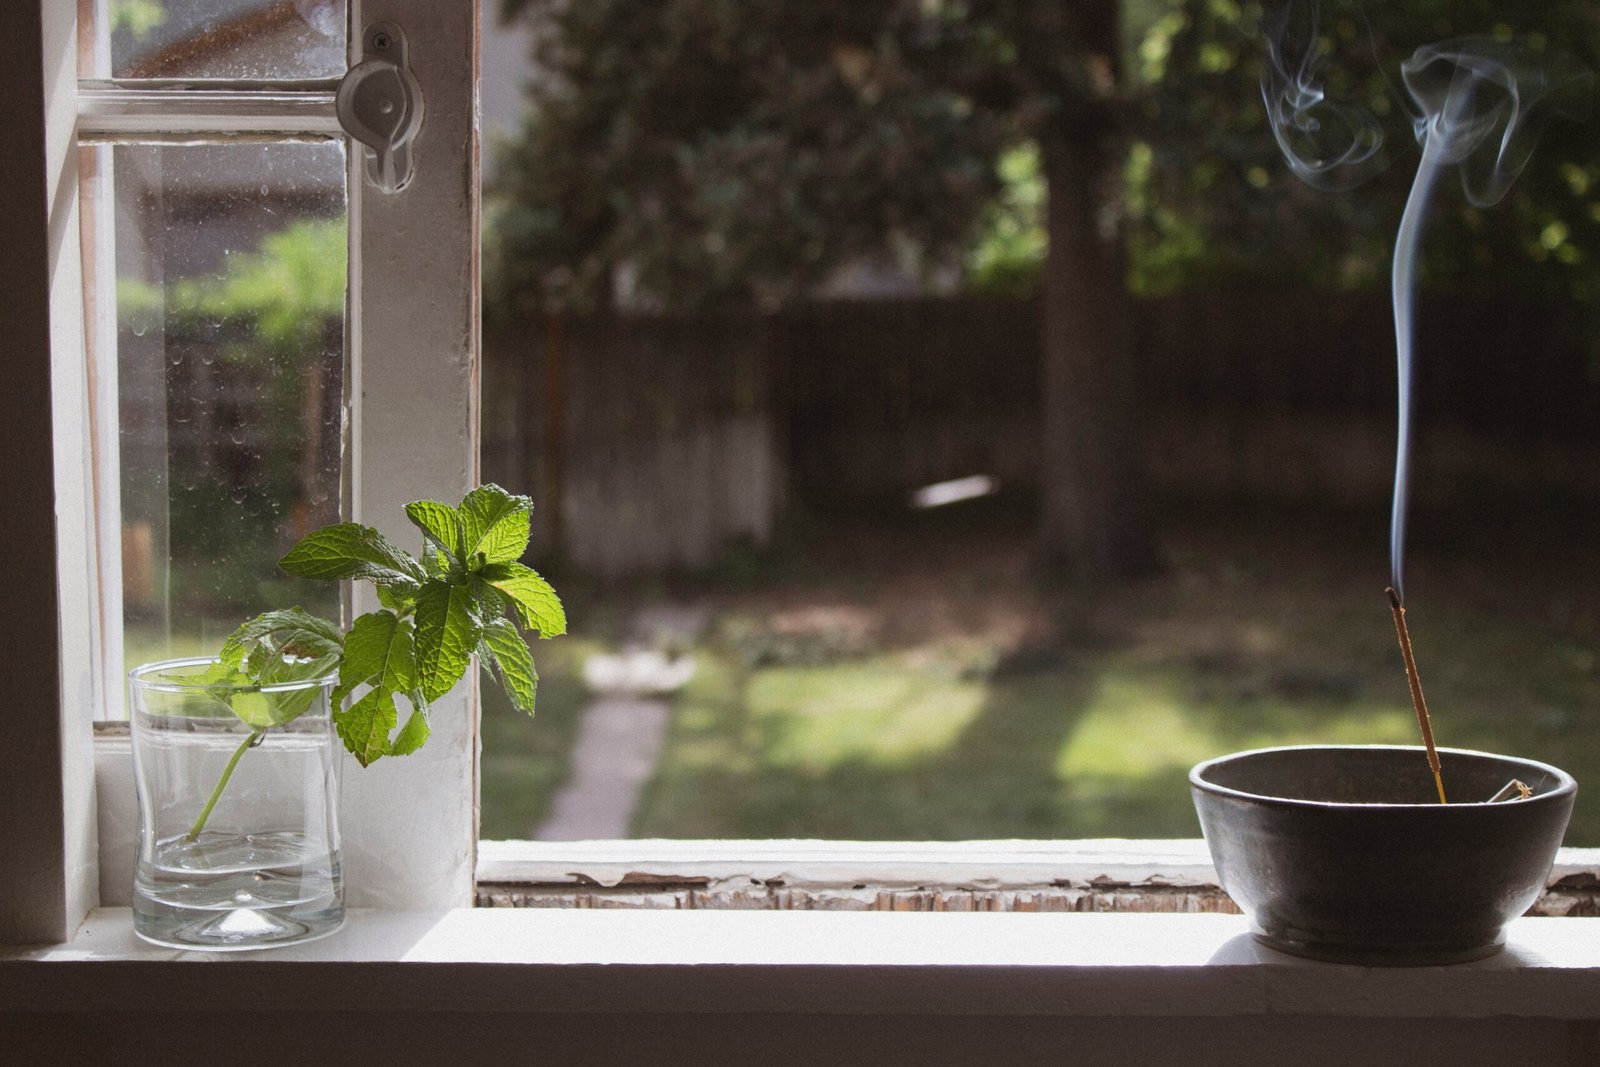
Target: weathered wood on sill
(975, 865)
(866, 898)
(1574, 896)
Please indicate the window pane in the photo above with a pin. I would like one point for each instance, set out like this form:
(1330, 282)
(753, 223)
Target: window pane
(230, 267)
(778, 340)
(276, 39)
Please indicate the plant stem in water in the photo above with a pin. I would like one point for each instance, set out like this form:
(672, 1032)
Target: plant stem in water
(227, 772)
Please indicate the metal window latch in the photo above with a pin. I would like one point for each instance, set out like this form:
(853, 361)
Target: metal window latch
(379, 103)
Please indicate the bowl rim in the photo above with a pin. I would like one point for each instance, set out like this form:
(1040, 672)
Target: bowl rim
(1566, 785)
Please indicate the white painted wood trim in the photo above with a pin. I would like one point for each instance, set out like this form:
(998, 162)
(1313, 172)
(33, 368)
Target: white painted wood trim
(76, 565)
(116, 815)
(47, 672)
(410, 824)
(125, 113)
(841, 963)
(97, 241)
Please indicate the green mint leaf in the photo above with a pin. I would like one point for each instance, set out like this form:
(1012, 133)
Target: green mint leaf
(289, 704)
(222, 682)
(490, 601)
(494, 523)
(412, 735)
(399, 599)
(505, 650)
(259, 705)
(232, 655)
(438, 522)
(364, 726)
(441, 564)
(260, 659)
(292, 633)
(380, 651)
(222, 675)
(350, 550)
(507, 540)
(447, 633)
(536, 602)
(277, 648)
(251, 707)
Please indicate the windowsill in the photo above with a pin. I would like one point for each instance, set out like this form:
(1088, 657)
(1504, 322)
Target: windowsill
(828, 963)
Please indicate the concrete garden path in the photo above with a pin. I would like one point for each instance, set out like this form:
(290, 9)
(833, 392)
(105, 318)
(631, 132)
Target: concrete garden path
(622, 729)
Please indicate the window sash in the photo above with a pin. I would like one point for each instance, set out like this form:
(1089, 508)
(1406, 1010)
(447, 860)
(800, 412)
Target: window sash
(113, 110)
(412, 384)
(407, 362)
(46, 761)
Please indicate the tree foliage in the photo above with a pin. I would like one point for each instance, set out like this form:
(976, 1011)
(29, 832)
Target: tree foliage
(716, 151)
(1210, 199)
(713, 151)
(286, 293)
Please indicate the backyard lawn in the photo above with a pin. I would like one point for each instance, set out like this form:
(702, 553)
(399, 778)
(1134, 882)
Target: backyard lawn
(911, 679)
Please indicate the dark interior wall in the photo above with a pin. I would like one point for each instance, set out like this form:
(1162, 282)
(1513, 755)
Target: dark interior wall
(30, 834)
(772, 1040)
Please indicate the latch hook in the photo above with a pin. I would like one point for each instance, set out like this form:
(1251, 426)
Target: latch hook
(379, 103)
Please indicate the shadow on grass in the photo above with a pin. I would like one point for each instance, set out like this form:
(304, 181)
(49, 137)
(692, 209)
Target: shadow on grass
(1053, 754)
(1267, 630)
(1099, 746)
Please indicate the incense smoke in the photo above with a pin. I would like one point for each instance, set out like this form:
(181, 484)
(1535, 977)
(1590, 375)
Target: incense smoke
(1478, 98)
(1328, 144)
(1478, 110)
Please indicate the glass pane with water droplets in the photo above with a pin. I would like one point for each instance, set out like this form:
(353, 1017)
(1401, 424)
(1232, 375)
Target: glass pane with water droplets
(266, 39)
(230, 277)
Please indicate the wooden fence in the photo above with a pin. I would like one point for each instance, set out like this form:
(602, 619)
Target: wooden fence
(648, 443)
(666, 437)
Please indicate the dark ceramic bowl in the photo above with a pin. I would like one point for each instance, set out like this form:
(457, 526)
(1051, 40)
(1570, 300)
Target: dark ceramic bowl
(1344, 853)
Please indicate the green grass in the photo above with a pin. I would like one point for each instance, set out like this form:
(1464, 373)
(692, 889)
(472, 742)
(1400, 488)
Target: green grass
(968, 731)
(879, 750)
(524, 762)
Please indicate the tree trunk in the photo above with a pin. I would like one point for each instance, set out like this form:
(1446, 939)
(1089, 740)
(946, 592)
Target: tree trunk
(1096, 524)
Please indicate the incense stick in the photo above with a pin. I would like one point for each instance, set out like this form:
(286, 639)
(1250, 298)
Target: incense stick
(1417, 700)
(1516, 789)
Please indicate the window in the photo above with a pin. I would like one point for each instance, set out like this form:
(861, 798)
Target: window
(408, 367)
(158, 154)
(736, 984)
(893, 670)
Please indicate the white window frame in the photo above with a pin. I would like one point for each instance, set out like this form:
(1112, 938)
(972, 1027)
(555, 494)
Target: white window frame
(46, 787)
(411, 826)
(1115, 988)
(412, 385)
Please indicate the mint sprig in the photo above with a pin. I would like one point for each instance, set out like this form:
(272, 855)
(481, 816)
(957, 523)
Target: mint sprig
(467, 593)
(273, 649)
(350, 550)
(276, 648)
